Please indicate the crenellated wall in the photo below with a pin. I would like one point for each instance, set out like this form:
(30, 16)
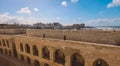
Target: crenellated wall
(38, 51)
(93, 36)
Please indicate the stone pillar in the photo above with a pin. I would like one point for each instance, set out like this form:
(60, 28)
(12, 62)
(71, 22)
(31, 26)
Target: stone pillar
(52, 50)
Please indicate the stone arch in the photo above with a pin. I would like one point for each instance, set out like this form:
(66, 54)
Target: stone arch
(27, 48)
(45, 53)
(59, 57)
(21, 46)
(36, 63)
(1, 50)
(35, 50)
(7, 43)
(0, 43)
(77, 60)
(3, 41)
(22, 58)
(100, 62)
(10, 53)
(46, 64)
(5, 51)
(28, 60)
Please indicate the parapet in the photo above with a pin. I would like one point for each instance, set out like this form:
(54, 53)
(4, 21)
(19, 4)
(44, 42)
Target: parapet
(94, 36)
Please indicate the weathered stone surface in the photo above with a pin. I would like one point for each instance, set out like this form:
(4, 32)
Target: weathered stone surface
(86, 53)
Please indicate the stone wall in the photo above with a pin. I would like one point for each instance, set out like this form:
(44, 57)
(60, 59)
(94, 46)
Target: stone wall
(94, 36)
(38, 51)
(12, 31)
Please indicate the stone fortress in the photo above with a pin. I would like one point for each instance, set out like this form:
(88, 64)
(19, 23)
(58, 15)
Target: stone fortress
(59, 47)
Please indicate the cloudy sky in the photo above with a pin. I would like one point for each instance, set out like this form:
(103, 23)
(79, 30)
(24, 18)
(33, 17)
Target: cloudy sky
(90, 12)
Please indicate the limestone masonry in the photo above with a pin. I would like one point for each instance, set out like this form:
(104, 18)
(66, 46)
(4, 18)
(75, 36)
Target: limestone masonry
(59, 47)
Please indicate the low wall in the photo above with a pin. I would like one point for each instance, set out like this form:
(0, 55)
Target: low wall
(95, 36)
(12, 31)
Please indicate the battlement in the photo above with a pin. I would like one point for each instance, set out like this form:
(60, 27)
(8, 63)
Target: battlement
(94, 36)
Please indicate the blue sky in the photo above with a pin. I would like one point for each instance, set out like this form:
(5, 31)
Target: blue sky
(90, 12)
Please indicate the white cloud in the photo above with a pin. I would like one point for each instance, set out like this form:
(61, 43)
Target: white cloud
(24, 10)
(114, 3)
(7, 19)
(104, 22)
(74, 1)
(64, 3)
(36, 9)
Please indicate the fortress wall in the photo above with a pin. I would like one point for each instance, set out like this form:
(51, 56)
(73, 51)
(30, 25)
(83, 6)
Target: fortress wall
(95, 36)
(12, 31)
(89, 51)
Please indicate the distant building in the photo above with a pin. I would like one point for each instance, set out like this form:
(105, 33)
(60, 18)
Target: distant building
(57, 25)
(14, 26)
(75, 26)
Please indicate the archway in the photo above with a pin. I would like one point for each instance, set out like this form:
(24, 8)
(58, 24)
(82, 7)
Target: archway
(100, 62)
(21, 46)
(36, 63)
(6, 51)
(3, 41)
(10, 53)
(77, 60)
(28, 60)
(59, 57)
(0, 43)
(22, 58)
(27, 48)
(35, 50)
(45, 53)
(1, 50)
(46, 64)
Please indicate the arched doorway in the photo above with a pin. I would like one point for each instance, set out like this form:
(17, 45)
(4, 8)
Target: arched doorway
(10, 53)
(0, 43)
(1, 50)
(21, 47)
(100, 62)
(45, 53)
(36, 63)
(46, 64)
(28, 60)
(22, 58)
(59, 57)
(35, 50)
(77, 60)
(27, 48)
(3, 41)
